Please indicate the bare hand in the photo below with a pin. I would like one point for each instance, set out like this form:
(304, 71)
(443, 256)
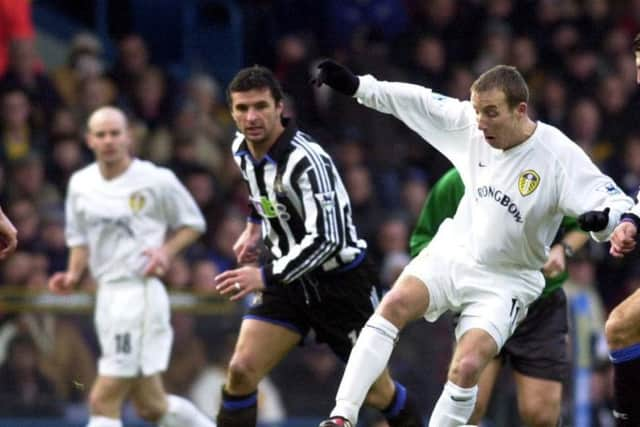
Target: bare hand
(158, 263)
(556, 263)
(623, 239)
(62, 283)
(246, 248)
(8, 236)
(246, 254)
(239, 282)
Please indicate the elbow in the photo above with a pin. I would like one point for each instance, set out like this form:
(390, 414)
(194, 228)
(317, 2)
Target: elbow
(334, 245)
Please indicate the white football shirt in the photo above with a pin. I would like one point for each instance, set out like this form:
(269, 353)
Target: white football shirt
(515, 199)
(118, 219)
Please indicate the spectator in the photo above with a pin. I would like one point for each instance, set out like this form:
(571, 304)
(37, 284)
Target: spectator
(24, 390)
(25, 73)
(28, 182)
(364, 202)
(83, 62)
(65, 157)
(15, 27)
(19, 134)
(586, 326)
(178, 276)
(26, 217)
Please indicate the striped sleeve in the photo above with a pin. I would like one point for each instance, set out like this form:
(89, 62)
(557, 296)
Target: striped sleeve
(324, 220)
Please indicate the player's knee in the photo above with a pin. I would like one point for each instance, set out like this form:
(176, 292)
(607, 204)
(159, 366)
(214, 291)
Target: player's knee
(100, 403)
(618, 330)
(242, 375)
(540, 416)
(466, 369)
(96, 404)
(150, 411)
(396, 306)
(542, 410)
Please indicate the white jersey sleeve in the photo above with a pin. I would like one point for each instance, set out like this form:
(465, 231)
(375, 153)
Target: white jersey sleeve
(583, 187)
(180, 207)
(444, 122)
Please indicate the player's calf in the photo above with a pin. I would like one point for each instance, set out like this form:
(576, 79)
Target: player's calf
(626, 377)
(238, 411)
(403, 411)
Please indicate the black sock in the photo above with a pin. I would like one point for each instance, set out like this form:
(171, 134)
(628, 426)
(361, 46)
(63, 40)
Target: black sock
(238, 411)
(626, 378)
(402, 412)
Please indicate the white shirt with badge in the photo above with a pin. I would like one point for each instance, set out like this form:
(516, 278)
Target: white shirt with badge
(515, 199)
(118, 219)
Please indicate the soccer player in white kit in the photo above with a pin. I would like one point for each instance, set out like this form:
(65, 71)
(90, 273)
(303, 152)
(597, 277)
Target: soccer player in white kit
(521, 177)
(118, 212)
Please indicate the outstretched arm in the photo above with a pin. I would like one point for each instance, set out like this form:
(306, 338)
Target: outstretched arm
(445, 123)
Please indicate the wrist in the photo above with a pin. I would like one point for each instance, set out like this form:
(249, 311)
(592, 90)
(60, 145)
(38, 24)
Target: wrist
(631, 218)
(73, 277)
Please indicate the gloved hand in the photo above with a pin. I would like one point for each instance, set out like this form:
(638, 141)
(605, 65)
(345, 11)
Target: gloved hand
(337, 77)
(594, 220)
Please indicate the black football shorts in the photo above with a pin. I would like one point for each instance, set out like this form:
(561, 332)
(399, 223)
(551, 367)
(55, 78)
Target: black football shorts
(331, 307)
(538, 347)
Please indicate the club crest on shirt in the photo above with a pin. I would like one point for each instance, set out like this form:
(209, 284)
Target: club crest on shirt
(528, 181)
(136, 202)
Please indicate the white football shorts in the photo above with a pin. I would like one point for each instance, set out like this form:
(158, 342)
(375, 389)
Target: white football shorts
(133, 326)
(493, 300)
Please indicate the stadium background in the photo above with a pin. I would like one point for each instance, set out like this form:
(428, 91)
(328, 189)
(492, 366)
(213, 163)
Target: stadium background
(170, 77)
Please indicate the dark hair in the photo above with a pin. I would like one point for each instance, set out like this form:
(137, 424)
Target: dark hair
(256, 77)
(507, 79)
(636, 43)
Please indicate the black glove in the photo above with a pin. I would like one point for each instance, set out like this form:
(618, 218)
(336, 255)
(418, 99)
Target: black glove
(594, 220)
(337, 77)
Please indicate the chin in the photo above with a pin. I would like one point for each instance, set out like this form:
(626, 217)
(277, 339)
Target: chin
(493, 143)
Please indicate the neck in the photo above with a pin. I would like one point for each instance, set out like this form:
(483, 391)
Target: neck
(113, 170)
(525, 133)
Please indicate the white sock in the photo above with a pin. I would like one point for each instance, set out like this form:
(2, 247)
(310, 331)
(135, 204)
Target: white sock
(183, 413)
(367, 361)
(454, 407)
(100, 421)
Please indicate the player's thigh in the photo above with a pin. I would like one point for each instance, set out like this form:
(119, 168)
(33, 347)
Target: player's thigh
(623, 325)
(261, 345)
(108, 393)
(119, 329)
(408, 300)
(539, 400)
(149, 397)
(474, 351)
(157, 334)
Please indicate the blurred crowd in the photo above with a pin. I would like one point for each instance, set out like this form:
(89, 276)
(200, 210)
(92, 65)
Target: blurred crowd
(575, 55)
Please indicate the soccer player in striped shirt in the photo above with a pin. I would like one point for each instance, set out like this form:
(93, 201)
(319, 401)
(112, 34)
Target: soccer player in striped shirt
(316, 275)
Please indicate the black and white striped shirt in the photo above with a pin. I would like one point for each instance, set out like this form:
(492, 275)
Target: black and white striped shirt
(298, 196)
